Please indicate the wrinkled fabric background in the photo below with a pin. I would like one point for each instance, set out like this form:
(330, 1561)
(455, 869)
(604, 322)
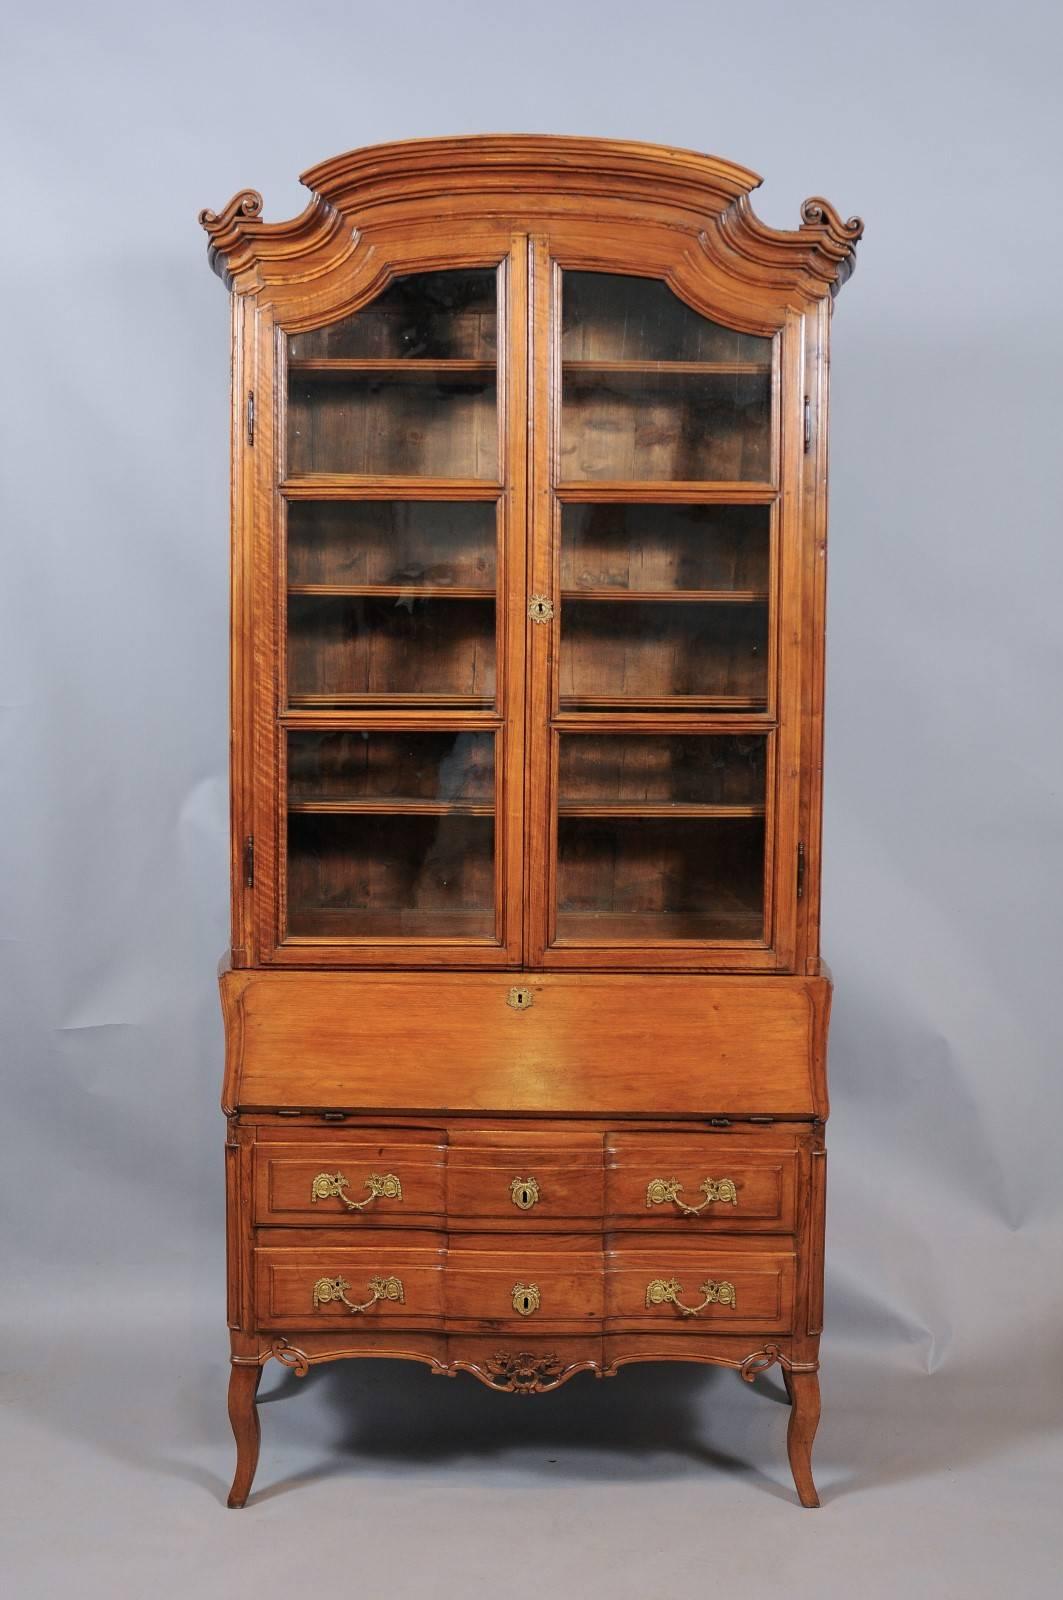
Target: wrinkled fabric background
(940, 1451)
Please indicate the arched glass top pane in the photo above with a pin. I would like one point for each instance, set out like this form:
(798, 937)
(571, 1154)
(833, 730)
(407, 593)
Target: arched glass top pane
(426, 316)
(403, 388)
(608, 317)
(652, 392)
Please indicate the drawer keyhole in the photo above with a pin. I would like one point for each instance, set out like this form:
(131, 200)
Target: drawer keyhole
(526, 1298)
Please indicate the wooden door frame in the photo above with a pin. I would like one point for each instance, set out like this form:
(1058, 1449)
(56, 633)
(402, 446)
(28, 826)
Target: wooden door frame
(552, 252)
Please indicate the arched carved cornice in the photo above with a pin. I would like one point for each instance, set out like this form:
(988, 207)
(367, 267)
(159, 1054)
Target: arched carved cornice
(509, 180)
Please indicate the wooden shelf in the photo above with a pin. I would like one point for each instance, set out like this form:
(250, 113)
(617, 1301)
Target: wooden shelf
(652, 808)
(654, 928)
(681, 369)
(392, 807)
(677, 702)
(717, 597)
(415, 369)
(412, 591)
(327, 924)
(386, 486)
(442, 702)
(666, 491)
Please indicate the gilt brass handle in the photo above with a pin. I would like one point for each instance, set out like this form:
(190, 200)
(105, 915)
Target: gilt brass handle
(664, 1291)
(327, 1289)
(331, 1185)
(524, 1193)
(662, 1191)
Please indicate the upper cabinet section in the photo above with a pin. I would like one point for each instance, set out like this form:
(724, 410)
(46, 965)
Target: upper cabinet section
(651, 391)
(405, 387)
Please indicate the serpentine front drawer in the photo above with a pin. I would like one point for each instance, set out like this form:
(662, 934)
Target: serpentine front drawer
(681, 1287)
(389, 1283)
(700, 1183)
(504, 1178)
(524, 1285)
(389, 1175)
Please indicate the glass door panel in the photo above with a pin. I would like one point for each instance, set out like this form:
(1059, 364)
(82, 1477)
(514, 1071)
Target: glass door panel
(647, 549)
(654, 392)
(391, 834)
(406, 386)
(664, 607)
(661, 554)
(391, 607)
(660, 838)
(391, 602)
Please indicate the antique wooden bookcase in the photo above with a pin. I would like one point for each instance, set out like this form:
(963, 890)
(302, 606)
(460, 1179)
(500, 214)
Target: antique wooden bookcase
(525, 1016)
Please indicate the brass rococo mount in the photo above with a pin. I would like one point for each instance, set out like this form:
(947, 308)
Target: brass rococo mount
(525, 1012)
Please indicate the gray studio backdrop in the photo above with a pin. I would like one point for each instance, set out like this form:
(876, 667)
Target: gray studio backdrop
(940, 124)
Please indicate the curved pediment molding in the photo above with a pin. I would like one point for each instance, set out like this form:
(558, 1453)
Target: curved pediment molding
(519, 180)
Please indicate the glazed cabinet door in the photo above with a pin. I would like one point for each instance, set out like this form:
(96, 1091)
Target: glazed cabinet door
(389, 800)
(661, 803)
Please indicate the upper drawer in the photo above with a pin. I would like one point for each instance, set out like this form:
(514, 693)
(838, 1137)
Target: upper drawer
(708, 1183)
(373, 1176)
(540, 1178)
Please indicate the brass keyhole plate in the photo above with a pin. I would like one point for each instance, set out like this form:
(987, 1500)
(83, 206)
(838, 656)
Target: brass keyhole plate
(524, 1192)
(519, 999)
(526, 1298)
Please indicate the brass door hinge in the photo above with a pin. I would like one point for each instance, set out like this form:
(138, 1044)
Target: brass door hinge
(808, 424)
(249, 861)
(800, 871)
(250, 416)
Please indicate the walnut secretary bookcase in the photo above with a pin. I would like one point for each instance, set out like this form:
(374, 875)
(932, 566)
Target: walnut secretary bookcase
(525, 1016)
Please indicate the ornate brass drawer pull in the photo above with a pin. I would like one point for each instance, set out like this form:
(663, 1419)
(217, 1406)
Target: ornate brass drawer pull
(663, 1291)
(326, 1289)
(331, 1186)
(524, 1193)
(526, 1298)
(662, 1191)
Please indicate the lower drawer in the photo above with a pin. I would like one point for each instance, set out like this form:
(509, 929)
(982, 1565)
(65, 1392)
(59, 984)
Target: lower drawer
(524, 1286)
(392, 1286)
(685, 1288)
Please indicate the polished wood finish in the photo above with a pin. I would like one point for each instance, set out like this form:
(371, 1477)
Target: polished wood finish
(524, 1009)
(719, 1046)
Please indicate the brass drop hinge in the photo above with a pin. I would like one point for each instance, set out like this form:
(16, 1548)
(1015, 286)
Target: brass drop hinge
(801, 871)
(249, 861)
(250, 416)
(808, 424)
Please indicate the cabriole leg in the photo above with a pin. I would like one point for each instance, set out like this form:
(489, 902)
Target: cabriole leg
(243, 1414)
(803, 1389)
